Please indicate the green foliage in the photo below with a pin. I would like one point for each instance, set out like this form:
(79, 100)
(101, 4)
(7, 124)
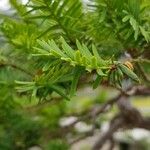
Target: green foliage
(22, 128)
(123, 24)
(82, 59)
(48, 49)
(19, 34)
(50, 116)
(89, 39)
(17, 131)
(128, 72)
(58, 17)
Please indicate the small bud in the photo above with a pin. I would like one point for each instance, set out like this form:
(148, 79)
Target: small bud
(129, 65)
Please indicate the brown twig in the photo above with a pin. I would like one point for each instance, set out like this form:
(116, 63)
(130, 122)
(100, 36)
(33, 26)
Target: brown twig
(132, 91)
(90, 133)
(95, 112)
(16, 67)
(115, 124)
(129, 117)
(112, 143)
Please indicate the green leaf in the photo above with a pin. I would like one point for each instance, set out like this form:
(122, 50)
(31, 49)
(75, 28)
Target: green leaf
(87, 51)
(59, 90)
(97, 81)
(68, 50)
(100, 61)
(100, 72)
(120, 73)
(118, 78)
(24, 82)
(53, 28)
(34, 92)
(84, 61)
(84, 51)
(55, 48)
(41, 51)
(134, 6)
(95, 52)
(59, 11)
(94, 61)
(126, 18)
(135, 26)
(43, 44)
(111, 77)
(145, 34)
(77, 56)
(133, 23)
(103, 15)
(46, 66)
(129, 72)
(76, 76)
(24, 88)
(79, 45)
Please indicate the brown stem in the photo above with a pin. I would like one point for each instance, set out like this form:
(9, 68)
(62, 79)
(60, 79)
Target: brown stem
(16, 67)
(81, 137)
(112, 144)
(128, 117)
(115, 124)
